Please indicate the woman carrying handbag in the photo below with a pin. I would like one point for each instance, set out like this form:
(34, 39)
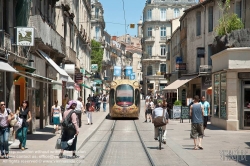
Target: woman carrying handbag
(25, 115)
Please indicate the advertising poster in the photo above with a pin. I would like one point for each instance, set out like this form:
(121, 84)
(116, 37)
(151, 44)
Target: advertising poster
(176, 112)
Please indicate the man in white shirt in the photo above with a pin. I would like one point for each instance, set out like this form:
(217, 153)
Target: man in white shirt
(79, 110)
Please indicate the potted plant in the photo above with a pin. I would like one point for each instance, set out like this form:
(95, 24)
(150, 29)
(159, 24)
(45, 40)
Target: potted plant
(177, 102)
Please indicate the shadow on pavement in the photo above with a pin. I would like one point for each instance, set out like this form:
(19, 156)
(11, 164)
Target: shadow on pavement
(41, 137)
(211, 127)
(46, 130)
(248, 143)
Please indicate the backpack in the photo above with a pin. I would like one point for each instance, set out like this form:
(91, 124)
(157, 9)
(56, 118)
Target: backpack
(104, 99)
(67, 124)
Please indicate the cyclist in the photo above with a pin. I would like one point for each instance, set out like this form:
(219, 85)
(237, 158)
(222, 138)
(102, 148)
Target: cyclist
(158, 111)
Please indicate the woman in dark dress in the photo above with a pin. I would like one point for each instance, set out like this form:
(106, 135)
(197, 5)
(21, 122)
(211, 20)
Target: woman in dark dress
(68, 134)
(22, 132)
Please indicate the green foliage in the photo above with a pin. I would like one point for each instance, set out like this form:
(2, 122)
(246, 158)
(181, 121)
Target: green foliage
(229, 21)
(177, 102)
(96, 54)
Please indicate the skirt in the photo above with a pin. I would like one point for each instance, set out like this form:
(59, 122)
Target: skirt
(67, 135)
(56, 120)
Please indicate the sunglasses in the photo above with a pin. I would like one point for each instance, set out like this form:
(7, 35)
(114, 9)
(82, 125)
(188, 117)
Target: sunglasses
(2, 104)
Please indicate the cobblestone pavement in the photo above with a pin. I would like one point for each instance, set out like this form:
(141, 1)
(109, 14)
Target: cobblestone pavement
(220, 147)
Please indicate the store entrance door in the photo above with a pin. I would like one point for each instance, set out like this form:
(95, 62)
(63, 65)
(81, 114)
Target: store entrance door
(245, 114)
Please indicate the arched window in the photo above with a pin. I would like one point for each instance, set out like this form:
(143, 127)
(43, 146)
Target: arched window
(149, 70)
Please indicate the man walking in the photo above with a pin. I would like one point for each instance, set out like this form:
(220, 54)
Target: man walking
(79, 110)
(196, 113)
(205, 104)
(104, 102)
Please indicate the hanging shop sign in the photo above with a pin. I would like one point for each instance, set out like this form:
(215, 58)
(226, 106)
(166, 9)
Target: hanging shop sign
(25, 36)
(94, 67)
(180, 66)
(117, 71)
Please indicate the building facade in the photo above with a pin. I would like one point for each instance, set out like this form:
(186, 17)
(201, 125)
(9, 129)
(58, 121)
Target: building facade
(156, 29)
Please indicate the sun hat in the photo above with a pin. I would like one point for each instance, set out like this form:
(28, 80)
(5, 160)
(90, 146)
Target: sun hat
(70, 103)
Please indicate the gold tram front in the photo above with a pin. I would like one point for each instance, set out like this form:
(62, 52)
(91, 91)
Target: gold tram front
(124, 99)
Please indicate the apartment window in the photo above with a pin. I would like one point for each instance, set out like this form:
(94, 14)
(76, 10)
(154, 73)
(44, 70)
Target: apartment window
(163, 68)
(97, 29)
(198, 63)
(149, 31)
(238, 8)
(149, 70)
(163, 50)
(209, 54)
(176, 12)
(210, 19)
(198, 23)
(149, 14)
(149, 50)
(163, 31)
(163, 14)
(96, 12)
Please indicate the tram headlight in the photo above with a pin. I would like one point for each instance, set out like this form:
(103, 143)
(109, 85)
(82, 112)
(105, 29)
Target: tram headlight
(136, 84)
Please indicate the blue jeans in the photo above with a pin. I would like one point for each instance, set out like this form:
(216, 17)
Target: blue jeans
(22, 135)
(4, 138)
(104, 107)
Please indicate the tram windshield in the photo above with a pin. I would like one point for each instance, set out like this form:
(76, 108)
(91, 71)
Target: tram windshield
(124, 95)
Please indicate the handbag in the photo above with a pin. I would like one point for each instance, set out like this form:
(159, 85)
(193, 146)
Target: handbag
(13, 121)
(58, 142)
(91, 109)
(160, 120)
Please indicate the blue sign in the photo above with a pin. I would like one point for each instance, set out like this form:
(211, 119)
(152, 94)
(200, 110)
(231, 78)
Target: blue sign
(128, 71)
(178, 59)
(117, 71)
(132, 76)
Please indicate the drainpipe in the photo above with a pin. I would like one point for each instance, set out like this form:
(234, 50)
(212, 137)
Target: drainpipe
(204, 34)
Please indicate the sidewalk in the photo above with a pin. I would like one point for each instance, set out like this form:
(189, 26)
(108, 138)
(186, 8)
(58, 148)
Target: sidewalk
(221, 147)
(41, 145)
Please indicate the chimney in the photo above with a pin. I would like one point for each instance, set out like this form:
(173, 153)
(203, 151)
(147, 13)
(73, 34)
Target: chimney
(114, 38)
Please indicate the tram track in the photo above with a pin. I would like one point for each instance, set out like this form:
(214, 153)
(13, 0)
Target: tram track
(107, 144)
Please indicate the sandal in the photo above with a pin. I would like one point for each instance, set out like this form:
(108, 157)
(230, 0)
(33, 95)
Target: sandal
(195, 148)
(200, 147)
(7, 156)
(74, 155)
(60, 155)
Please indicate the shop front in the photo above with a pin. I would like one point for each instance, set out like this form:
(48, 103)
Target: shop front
(231, 89)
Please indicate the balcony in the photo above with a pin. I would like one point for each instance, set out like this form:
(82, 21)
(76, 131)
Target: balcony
(189, 2)
(46, 34)
(163, 39)
(97, 18)
(149, 39)
(70, 55)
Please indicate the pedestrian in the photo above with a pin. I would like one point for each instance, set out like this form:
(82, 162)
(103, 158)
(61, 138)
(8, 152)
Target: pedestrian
(205, 104)
(149, 108)
(56, 116)
(196, 113)
(79, 110)
(26, 116)
(146, 108)
(65, 102)
(68, 134)
(158, 111)
(104, 102)
(5, 117)
(89, 108)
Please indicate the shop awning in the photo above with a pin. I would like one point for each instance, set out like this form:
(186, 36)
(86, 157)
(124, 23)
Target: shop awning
(35, 77)
(63, 75)
(27, 67)
(4, 66)
(86, 86)
(178, 83)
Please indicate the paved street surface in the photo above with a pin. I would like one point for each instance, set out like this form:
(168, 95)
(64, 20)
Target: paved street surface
(220, 147)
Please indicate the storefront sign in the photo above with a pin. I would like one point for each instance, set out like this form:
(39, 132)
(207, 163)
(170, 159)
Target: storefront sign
(206, 82)
(79, 78)
(180, 66)
(176, 112)
(244, 75)
(185, 113)
(25, 36)
(200, 52)
(94, 67)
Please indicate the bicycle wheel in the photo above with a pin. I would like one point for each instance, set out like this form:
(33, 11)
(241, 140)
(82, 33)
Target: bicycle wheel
(160, 137)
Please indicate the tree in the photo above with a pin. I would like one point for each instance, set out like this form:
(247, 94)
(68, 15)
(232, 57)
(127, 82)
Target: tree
(96, 54)
(229, 21)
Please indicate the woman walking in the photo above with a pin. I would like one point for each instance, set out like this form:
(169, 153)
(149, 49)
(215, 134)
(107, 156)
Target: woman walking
(69, 133)
(22, 132)
(89, 108)
(56, 115)
(4, 129)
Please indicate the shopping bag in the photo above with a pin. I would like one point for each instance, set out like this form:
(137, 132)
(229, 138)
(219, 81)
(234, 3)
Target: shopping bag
(70, 142)
(58, 143)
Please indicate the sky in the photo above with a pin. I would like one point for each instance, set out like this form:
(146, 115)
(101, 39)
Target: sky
(114, 15)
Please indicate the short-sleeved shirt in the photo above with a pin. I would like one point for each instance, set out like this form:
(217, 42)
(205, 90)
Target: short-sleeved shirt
(4, 118)
(79, 105)
(205, 105)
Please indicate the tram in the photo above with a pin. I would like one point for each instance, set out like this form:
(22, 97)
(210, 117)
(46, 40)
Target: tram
(124, 99)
